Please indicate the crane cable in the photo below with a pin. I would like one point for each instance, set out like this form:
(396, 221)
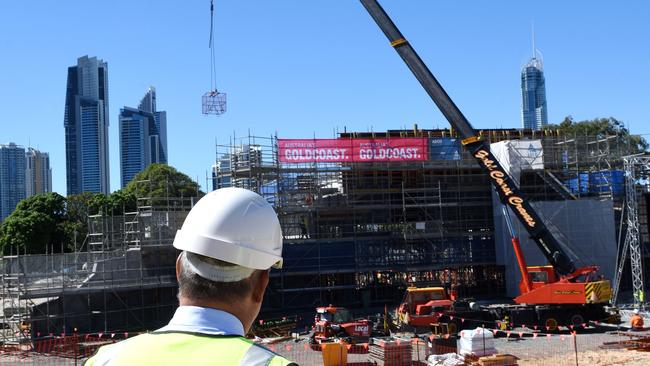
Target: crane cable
(213, 67)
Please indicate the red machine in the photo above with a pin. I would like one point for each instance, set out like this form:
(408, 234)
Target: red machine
(557, 293)
(421, 306)
(547, 298)
(543, 285)
(333, 322)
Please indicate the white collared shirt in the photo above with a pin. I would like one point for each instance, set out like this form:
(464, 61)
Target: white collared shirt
(196, 319)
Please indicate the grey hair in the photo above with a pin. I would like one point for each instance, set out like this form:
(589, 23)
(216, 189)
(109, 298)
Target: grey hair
(194, 287)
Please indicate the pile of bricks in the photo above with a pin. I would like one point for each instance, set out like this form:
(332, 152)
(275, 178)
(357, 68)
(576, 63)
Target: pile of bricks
(390, 351)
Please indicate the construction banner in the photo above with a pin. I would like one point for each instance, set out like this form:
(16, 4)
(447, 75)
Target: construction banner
(352, 150)
(444, 148)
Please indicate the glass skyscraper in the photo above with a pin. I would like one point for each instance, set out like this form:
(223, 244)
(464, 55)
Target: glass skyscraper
(12, 177)
(86, 127)
(148, 104)
(38, 174)
(143, 137)
(533, 94)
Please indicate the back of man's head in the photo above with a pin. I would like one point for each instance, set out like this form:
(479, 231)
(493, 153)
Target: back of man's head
(229, 241)
(215, 280)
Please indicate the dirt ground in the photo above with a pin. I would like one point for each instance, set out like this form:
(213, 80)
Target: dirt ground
(542, 350)
(594, 358)
(560, 349)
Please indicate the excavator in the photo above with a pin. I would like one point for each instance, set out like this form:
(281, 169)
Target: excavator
(553, 294)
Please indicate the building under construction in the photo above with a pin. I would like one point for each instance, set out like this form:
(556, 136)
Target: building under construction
(356, 232)
(121, 277)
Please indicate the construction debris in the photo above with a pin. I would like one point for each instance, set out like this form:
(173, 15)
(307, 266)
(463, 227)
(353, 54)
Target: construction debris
(447, 359)
(499, 359)
(274, 328)
(636, 342)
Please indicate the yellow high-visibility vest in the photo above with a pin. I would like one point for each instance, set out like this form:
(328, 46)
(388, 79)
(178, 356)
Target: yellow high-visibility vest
(177, 348)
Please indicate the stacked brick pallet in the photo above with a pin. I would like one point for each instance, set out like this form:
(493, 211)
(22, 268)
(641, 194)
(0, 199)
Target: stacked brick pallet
(390, 351)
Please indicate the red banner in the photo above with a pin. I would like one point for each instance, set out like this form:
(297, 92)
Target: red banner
(352, 150)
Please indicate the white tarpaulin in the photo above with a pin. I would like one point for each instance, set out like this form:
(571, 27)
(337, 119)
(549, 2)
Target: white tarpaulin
(516, 155)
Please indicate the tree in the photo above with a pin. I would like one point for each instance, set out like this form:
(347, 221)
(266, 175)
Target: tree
(52, 221)
(37, 223)
(121, 201)
(601, 127)
(78, 208)
(161, 180)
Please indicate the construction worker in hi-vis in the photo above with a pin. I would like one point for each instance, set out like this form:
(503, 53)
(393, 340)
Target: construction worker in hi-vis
(636, 322)
(229, 241)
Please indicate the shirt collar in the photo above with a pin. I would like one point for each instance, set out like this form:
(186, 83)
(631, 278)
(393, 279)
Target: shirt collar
(204, 320)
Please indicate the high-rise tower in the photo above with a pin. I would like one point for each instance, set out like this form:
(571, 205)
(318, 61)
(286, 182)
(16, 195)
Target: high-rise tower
(38, 174)
(148, 104)
(143, 137)
(12, 177)
(533, 92)
(86, 127)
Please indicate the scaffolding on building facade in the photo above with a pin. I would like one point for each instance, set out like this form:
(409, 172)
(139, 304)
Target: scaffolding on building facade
(120, 278)
(358, 233)
(355, 234)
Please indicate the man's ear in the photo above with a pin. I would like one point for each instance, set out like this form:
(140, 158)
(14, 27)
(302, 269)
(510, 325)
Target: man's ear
(178, 265)
(259, 285)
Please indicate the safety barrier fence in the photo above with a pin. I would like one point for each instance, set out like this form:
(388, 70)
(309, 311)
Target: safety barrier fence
(591, 346)
(52, 349)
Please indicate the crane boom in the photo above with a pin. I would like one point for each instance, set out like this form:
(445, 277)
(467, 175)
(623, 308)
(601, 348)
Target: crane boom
(507, 190)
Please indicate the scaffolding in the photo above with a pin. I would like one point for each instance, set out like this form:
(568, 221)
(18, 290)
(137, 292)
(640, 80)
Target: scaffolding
(358, 233)
(121, 278)
(637, 179)
(355, 234)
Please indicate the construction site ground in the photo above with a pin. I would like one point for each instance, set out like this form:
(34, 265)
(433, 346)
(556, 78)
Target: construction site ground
(595, 347)
(560, 349)
(605, 345)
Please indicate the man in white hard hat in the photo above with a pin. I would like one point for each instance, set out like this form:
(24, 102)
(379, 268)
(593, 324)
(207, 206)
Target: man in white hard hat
(229, 241)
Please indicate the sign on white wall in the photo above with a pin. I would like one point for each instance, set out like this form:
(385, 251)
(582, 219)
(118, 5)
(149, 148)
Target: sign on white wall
(517, 155)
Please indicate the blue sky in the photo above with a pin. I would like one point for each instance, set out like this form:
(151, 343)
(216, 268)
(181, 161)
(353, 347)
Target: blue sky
(305, 68)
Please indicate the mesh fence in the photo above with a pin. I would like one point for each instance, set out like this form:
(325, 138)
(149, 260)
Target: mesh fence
(514, 347)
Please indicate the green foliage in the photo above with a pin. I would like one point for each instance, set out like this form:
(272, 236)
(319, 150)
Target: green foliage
(601, 127)
(36, 223)
(119, 202)
(161, 180)
(78, 208)
(52, 221)
(84, 204)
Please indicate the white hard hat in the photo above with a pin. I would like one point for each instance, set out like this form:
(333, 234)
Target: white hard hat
(635, 311)
(233, 225)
